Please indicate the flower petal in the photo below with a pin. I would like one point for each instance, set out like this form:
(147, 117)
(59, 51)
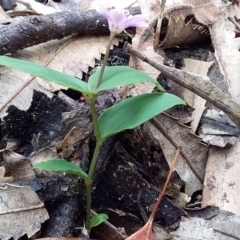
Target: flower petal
(136, 21)
(100, 7)
(117, 20)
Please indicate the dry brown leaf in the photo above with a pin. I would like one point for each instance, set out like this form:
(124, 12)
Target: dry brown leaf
(4, 179)
(204, 11)
(17, 87)
(74, 135)
(200, 229)
(180, 33)
(37, 7)
(42, 155)
(221, 185)
(21, 212)
(82, 53)
(18, 166)
(227, 49)
(198, 103)
(192, 146)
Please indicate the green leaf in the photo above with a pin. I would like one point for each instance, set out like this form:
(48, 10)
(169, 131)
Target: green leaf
(61, 165)
(134, 111)
(118, 76)
(46, 73)
(98, 219)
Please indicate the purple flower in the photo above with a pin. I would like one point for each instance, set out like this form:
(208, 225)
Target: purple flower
(117, 19)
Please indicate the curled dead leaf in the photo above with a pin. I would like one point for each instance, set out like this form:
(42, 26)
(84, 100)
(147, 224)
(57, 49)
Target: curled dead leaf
(19, 166)
(204, 11)
(187, 23)
(4, 179)
(180, 33)
(206, 14)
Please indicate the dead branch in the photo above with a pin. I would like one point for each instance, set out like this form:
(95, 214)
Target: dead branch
(33, 30)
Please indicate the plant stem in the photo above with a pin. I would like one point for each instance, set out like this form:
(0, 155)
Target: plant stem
(94, 117)
(112, 35)
(99, 142)
(89, 183)
(88, 204)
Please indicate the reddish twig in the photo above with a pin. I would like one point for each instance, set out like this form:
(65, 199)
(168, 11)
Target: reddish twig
(145, 233)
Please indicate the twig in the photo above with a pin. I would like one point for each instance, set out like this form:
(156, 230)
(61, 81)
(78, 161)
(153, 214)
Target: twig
(225, 233)
(145, 233)
(175, 144)
(197, 84)
(151, 218)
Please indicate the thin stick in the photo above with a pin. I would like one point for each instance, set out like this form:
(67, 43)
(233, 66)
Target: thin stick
(151, 218)
(225, 233)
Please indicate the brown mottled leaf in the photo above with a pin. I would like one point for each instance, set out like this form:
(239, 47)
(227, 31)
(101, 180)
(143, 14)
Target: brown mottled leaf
(179, 33)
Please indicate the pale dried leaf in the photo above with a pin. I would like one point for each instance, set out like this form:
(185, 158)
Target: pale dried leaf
(221, 184)
(178, 11)
(67, 145)
(17, 87)
(4, 179)
(218, 130)
(18, 166)
(3, 14)
(82, 53)
(200, 229)
(206, 13)
(37, 7)
(190, 143)
(85, 4)
(43, 155)
(221, 181)
(21, 212)
(70, 6)
(227, 49)
(195, 101)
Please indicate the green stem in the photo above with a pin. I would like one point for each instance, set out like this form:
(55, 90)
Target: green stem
(112, 35)
(88, 204)
(94, 117)
(99, 142)
(158, 85)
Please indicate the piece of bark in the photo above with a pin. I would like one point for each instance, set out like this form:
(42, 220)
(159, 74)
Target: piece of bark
(33, 30)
